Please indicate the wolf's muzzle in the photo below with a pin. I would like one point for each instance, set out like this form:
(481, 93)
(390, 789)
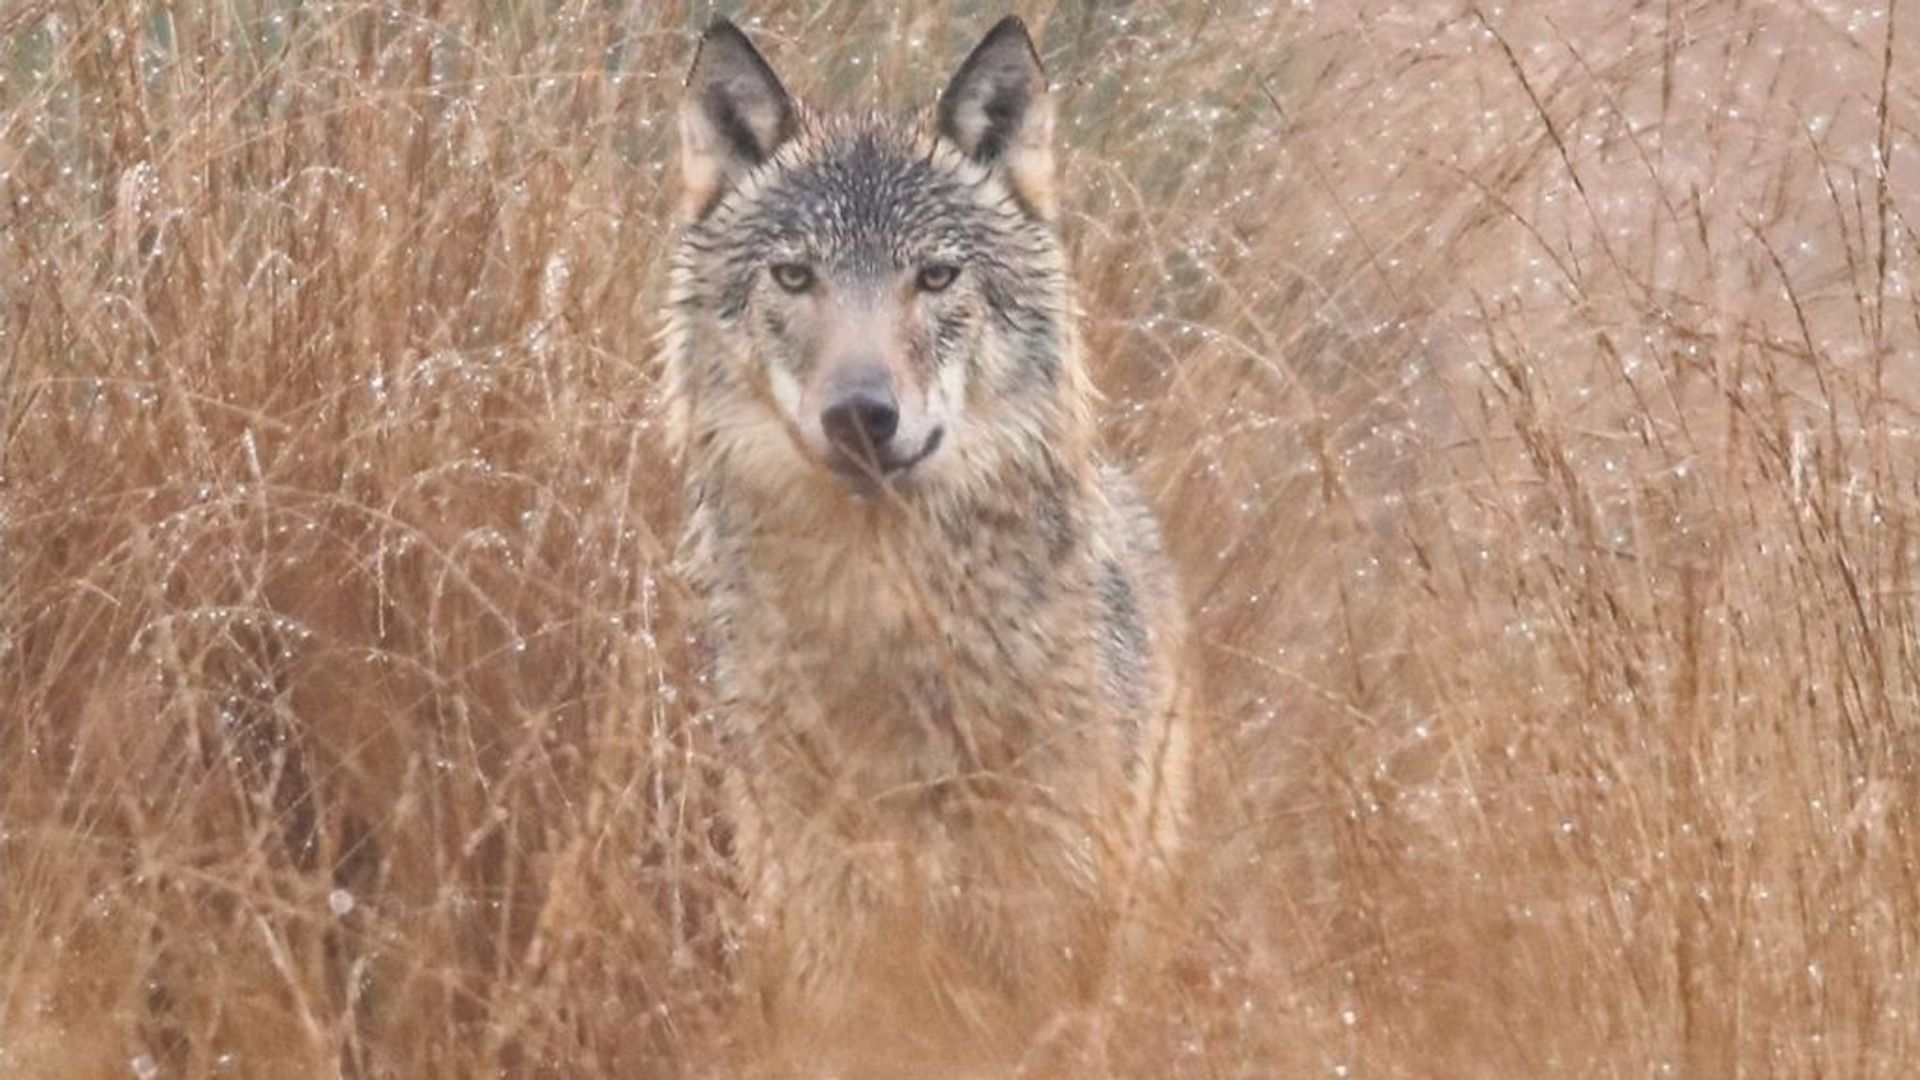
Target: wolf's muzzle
(861, 422)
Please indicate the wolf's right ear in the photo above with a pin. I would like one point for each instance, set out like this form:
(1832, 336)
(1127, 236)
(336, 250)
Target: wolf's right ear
(734, 116)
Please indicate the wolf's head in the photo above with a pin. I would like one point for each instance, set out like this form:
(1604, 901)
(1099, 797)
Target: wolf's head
(864, 299)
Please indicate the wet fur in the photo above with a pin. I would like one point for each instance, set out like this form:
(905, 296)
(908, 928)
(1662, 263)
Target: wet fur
(951, 712)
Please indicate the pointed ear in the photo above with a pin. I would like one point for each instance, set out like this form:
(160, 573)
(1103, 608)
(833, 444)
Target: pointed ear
(997, 110)
(734, 116)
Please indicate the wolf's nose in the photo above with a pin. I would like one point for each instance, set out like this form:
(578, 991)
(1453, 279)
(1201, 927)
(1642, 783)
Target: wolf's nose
(862, 421)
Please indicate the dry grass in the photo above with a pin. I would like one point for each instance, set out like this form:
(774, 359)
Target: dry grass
(1530, 393)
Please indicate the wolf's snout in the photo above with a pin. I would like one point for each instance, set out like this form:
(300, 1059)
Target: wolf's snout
(860, 421)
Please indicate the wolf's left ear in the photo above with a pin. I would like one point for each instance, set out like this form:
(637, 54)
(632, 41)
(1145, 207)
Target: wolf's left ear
(998, 111)
(734, 116)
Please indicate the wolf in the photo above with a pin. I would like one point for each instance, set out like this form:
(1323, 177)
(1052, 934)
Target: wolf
(945, 650)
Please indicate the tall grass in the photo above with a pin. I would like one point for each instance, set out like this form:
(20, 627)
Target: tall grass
(1529, 391)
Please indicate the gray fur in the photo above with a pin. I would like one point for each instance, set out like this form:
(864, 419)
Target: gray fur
(951, 698)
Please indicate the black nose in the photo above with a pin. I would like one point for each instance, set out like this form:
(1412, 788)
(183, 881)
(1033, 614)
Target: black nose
(862, 421)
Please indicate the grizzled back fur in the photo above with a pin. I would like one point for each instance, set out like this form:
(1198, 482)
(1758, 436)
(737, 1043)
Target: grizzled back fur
(943, 641)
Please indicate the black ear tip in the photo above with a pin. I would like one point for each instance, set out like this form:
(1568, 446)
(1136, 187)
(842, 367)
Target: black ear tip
(1007, 32)
(1009, 26)
(723, 37)
(725, 47)
(720, 34)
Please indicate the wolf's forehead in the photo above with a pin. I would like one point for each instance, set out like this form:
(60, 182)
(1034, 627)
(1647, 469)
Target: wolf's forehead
(871, 192)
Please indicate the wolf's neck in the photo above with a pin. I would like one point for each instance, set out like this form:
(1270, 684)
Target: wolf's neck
(879, 572)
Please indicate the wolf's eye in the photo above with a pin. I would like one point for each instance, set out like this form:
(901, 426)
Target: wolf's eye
(935, 277)
(793, 277)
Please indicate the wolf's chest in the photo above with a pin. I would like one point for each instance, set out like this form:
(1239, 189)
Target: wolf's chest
(901, 677)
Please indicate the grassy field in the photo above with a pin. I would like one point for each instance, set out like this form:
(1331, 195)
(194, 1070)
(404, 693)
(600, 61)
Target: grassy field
(1529, 391)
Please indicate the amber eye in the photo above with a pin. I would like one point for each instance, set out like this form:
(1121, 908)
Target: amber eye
(935, 277)
(793, 277)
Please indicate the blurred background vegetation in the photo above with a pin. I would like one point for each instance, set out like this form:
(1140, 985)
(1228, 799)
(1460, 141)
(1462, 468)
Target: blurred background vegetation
(1528, 390)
